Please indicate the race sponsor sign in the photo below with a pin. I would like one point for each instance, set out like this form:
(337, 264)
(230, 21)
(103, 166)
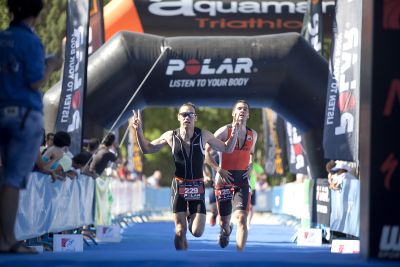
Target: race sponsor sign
(345, 246)
(343, 92)
(70, 110)
(309, 237)
(108, 233)
(313, 25)
(221, 17)
(313, 32)
(323, 202)
(297, 159)
(67, 243)
(229, 72)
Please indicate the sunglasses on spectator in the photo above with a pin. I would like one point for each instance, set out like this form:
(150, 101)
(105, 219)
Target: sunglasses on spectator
(188, 114)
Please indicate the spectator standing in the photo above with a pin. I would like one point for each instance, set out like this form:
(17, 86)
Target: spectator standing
(23, 70)
(103, 156)
(48, 142)
(81, 161)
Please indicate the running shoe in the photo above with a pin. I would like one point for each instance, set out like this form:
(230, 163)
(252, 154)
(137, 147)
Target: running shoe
(223, 239)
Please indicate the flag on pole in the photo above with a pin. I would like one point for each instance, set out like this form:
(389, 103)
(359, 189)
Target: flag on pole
(312, 29)
(297, 158)
(69, 116)
(342, 104)
(275, 162)
(313, 32)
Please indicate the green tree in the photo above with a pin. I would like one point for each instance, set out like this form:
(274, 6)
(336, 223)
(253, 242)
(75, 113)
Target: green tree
(50, 27)
(4, 16)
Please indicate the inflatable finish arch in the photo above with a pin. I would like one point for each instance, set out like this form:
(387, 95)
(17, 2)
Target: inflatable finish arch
(278, 71)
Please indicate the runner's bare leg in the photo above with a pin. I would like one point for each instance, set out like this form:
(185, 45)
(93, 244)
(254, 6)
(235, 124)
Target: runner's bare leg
(197, 224)
(180, 240)
(241, 231)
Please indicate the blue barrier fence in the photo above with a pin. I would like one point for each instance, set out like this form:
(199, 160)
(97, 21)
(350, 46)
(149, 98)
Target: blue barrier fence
(47, 207)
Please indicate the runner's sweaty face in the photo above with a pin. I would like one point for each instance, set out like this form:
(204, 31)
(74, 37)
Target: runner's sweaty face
(241, 111)
(187, 116)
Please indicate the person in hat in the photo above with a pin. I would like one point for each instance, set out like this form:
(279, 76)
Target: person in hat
(338, 172)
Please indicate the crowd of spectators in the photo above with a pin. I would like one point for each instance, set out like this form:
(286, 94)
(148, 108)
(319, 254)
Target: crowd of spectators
(96, 159)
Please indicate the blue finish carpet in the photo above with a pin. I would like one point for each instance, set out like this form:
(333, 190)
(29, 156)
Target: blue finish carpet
(151, 244)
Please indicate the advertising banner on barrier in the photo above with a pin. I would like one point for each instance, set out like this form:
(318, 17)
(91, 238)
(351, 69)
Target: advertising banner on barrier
(104, 201)
(343, 92)
(277, 197)
(309, 237)
(67, 243)
(322, 196)
(345, 203)
(274, 143)
(70, 110)
(40, 210)
(382, 188)
(108, 233)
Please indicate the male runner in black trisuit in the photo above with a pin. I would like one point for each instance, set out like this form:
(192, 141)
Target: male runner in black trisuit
(187, 144)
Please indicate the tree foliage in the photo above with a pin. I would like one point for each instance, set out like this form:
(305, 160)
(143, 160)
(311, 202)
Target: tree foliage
(50, 26)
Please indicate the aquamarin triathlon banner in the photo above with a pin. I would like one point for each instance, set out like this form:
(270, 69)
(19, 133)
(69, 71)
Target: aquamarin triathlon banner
(223, 17)
(69, 117)
(342, 103)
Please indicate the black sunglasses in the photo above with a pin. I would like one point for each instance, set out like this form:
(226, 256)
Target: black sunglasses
(188, 114)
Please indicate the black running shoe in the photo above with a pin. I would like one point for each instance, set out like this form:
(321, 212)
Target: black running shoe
(223, 239)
